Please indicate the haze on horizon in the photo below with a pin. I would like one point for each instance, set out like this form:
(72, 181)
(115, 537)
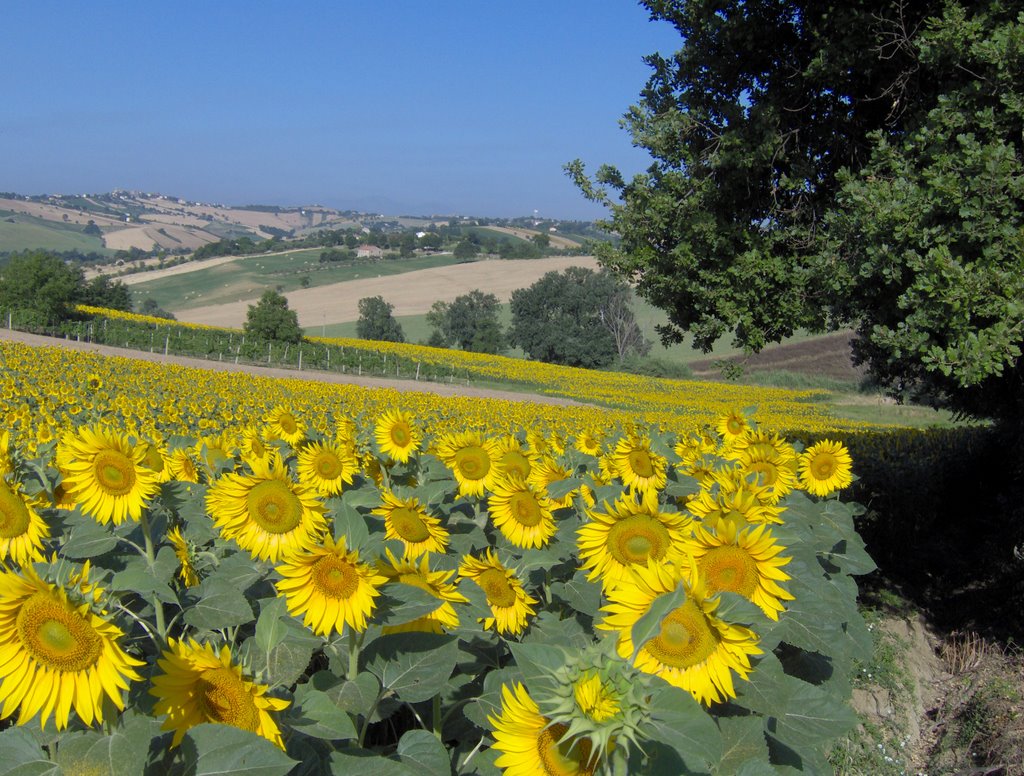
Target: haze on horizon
(407, 107)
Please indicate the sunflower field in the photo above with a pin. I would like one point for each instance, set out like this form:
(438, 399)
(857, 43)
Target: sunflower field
(218, 573)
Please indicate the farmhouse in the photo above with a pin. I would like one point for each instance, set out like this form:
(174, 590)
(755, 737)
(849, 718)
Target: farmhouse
(369, 252)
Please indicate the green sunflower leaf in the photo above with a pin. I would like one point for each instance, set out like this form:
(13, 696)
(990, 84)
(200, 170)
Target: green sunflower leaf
(414, 666)
(86, 538)
(649, 625)
(347, 762)
(125, 750)
(214, 750)
(421, 751)
(21, 755)
(400, 603)
(221, 605)
(582, 595)
(800, 715)
(682, 723)
(315, 714)
(148, 579)
(561, 488)
(742, 742)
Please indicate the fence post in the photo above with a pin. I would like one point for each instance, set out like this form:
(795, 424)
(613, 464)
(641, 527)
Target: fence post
(167, 342)
(328, 358)
(300, 358)
(269, 346)
(417, 370)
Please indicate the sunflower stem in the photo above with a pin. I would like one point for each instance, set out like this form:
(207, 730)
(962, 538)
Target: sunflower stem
(158, 607)
(353, 655)
(436, 717)
(369, 716)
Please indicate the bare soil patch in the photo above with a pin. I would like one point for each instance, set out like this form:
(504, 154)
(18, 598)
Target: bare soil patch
(439, 389)
(826, 356)
(411, 293)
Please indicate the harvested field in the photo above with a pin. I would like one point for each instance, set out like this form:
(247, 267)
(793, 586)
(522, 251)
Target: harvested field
(411, 293)
(526, 234)
(148, 238)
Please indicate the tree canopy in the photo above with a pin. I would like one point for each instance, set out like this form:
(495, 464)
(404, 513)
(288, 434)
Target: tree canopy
(577, 317)
(469, 322)
(831, 165)
(48, 287)
(271, 319)
(376, 321)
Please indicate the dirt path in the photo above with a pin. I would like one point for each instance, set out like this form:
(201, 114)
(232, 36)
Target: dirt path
(440, 389)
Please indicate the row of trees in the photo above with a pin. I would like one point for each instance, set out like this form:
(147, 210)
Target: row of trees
(577, 317)
(44, 288)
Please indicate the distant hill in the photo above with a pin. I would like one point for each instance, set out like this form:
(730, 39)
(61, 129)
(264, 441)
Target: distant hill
(123, 220)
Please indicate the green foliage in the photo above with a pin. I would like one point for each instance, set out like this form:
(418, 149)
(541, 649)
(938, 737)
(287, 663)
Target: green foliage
(42, 283)
(469, 322)
(465, 249)
(101, 291)
(271, 319)
(822, 165)
(376, 321)
(928, 236)
(577, 317)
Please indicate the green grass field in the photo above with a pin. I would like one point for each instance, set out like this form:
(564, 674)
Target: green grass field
(248, 277)
(19, 232)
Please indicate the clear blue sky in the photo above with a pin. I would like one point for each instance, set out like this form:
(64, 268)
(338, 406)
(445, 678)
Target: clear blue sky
(410, 106)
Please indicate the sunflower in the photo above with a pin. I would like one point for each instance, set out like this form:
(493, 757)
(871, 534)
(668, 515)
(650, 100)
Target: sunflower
(155, 458)
(327, 468)
(282, 424)
(694, 649)
(266, 512)
(182, 465)
(825, 468)
(185, 554)
(512, 459)
(106, 474)
(732, 426)
(588, 442)
(628, 534)
(737, 500)
(418, 574)
(531, 745)
(253, 446)
(329, 587)
(6, 462)
(200, 684)
(216, 453)
(22, 530)
(545, 472)
(743, 561)
(93, 382)
(407, 520)
(397, 435)
(639, 467)
(56, 652)
(597, 700)
(522, 512)
(510, 604)
(472, 459)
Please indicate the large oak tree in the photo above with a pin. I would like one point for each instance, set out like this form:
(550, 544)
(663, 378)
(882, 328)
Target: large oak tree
(819, 165)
